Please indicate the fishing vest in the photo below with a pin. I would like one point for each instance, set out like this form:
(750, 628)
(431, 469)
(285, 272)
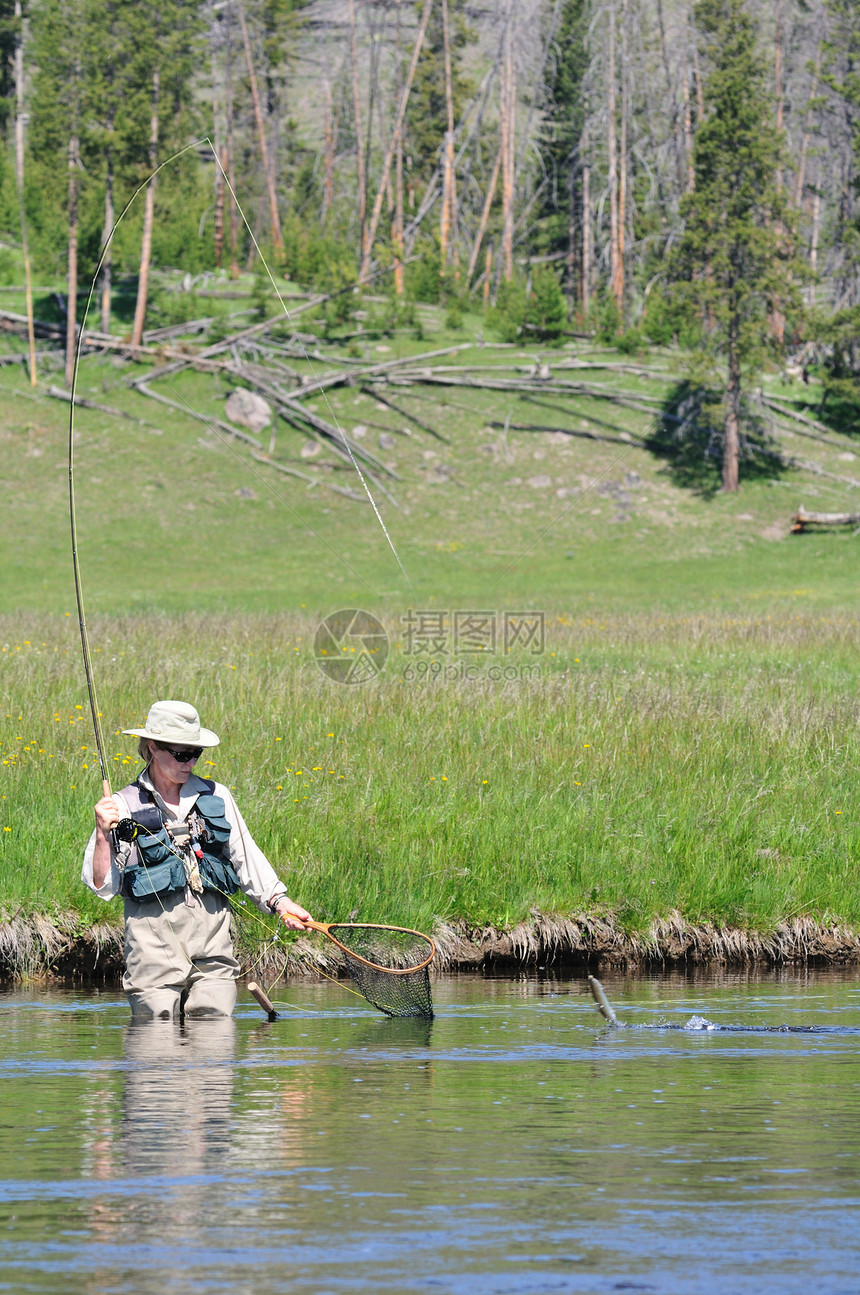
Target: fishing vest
(156, 865)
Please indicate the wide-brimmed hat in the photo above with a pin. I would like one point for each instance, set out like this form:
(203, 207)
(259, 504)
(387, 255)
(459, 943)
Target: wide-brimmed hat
(175, 721)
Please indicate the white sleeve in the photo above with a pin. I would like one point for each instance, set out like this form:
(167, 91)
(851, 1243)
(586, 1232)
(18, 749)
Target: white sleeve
(110, 886)
(258, 878)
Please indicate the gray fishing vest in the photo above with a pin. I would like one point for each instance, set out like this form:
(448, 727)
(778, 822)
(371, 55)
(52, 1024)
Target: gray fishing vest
(156, 865)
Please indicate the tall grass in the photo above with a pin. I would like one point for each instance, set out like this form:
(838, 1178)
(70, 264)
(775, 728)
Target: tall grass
(703, 765)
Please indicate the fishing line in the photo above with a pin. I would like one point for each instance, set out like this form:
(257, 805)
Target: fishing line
(309, 362)
(73, 523)
(79, 344)
(269, 485)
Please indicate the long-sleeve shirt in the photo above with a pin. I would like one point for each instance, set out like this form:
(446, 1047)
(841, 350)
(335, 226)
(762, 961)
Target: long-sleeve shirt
(256, 875)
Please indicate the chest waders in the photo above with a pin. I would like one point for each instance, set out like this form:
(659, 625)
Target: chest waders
(156, 866)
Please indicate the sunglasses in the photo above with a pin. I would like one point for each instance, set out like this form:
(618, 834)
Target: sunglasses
(181, 754)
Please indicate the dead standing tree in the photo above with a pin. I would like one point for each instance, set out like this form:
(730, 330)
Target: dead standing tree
(74, 167)
(148, 215)
(19, 182)
(507, 114)
(268, 169)
(370, 233)
(448, 221)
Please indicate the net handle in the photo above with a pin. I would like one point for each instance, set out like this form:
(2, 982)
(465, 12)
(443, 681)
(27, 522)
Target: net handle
(325, 929)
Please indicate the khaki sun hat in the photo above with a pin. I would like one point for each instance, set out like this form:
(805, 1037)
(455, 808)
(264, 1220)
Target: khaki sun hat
(175, 721)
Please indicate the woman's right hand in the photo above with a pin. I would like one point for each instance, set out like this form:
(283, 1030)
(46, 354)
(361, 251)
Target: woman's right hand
(107, 814)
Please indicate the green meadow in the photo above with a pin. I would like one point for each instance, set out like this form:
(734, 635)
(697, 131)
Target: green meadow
(683, 738)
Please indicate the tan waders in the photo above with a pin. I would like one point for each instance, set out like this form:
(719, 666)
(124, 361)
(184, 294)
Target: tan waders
(179, 956)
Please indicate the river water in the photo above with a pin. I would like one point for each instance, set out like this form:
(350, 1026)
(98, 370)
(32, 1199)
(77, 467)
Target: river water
(513, 1145)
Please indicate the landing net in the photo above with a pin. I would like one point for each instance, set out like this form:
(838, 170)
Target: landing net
(388, 965)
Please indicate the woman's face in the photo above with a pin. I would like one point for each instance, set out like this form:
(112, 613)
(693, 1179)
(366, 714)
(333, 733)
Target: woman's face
(168, 766)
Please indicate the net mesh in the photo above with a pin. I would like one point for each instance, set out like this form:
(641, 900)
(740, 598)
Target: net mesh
(392, 950)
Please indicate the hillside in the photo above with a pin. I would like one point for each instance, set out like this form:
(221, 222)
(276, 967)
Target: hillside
(601, 503)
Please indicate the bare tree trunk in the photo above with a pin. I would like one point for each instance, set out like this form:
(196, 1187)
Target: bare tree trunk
(813, 242)
(778, 84)
(448, 222)
(800, 180)
(700, 89)
(397, 228)
(72, 274)
(485, 216)
(622, 162)
(330, 140)
(777, 318)
(19, 180)
(72, 280)
(488, 269)
(229, 163)
(217, 143)
(148, 217)
(616, 266)
(359, 144)
(587, 221)
(107, 264)
(670, 88)
(732, 435)
(370, 233)
(277, 236)
(688, 133)
(508, 106)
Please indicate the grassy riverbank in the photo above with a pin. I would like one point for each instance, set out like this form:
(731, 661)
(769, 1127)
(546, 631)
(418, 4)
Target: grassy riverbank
(642, 765)
(685, 744)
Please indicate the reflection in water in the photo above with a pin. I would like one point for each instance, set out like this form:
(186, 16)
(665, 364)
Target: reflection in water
(514, 1146)
(172, 1139)
(176, 1100)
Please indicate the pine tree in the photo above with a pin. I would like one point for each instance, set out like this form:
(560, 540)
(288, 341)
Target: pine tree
(731, 264)
(561, 211)
(427, 112)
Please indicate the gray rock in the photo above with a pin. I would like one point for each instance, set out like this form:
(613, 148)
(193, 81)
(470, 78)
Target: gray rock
(248, 409)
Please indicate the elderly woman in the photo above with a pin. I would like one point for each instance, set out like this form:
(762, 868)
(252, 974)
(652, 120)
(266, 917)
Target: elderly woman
(176, 848)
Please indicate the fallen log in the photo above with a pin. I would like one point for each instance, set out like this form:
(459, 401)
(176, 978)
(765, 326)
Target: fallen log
(58, 393)
(431, 377)
(782, 407)
(404, 413)
(567, 431)
(589, 418)
(201, 418)
(311, 481)
(803, 519)
(338, 441)
(337, 377)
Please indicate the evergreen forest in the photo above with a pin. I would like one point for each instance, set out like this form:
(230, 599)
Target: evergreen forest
(645, 172)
